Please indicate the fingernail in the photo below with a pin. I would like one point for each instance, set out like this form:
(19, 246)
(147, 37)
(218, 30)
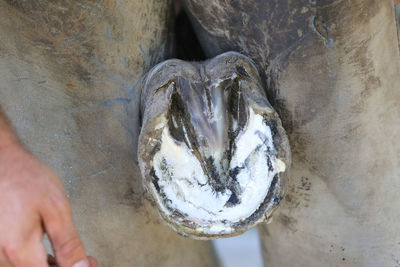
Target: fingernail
(82, 263)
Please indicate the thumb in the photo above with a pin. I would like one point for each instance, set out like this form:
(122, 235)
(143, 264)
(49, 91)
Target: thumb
(67, 245)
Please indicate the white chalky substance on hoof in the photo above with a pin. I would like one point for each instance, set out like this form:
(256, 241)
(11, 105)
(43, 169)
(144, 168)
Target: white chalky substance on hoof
(212, 151)
(184, 182)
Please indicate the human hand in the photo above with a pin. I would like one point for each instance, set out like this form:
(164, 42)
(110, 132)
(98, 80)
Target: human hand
(33, 201)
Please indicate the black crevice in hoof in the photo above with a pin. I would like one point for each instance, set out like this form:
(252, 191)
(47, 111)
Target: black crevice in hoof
(187, 45)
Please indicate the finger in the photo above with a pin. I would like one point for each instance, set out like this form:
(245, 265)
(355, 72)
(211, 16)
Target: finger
(58, 223)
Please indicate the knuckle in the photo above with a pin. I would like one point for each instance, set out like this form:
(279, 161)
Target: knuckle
(68, 248)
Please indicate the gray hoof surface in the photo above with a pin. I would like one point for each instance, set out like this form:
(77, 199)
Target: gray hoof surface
(212, 151)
